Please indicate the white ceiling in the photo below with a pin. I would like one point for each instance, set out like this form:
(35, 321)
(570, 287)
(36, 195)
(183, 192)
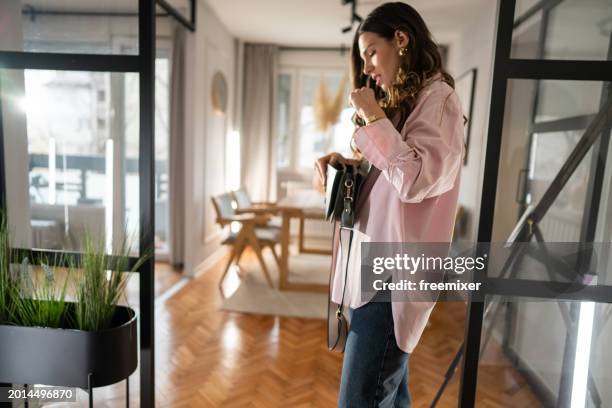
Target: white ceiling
(96, 6)
(318, 22)
(296, 22)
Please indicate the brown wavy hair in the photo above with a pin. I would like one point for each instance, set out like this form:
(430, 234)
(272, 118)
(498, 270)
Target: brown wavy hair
(420, 64)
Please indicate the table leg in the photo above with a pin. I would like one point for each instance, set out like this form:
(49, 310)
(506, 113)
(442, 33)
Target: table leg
(284, 256)
(301, 232)
(303, 249)
(284, 283)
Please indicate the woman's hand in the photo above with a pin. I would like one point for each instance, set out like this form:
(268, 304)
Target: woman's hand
(320, 175)
(365, 103)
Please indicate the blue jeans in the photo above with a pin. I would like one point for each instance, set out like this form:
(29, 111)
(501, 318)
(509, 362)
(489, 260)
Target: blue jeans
(374, 370)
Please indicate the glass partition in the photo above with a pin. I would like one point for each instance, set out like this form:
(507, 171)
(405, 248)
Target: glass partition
(570, 30)
(540, 350)
(537, 138)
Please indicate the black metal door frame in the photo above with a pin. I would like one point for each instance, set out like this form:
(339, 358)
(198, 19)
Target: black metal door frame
(504, 69)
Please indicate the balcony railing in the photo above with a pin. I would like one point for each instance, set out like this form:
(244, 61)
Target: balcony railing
(86, 166)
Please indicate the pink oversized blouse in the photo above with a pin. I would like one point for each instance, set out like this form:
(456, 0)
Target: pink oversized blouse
(415, 197)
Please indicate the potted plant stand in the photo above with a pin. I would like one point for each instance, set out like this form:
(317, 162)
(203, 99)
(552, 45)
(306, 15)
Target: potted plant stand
(70, 357)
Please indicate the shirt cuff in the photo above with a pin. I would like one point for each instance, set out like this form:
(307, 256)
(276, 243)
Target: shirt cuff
(378, 142)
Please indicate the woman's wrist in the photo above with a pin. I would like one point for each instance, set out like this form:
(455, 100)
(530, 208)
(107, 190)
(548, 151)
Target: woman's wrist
(371, 118)
(374, 118)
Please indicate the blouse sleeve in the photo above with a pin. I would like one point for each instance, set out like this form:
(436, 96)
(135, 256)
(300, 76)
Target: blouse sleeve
(424, 160)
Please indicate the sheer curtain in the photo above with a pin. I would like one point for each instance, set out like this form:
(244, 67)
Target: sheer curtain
(258, 121)
(176, 159)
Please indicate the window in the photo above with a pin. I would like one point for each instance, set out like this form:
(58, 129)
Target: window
(71, 143)
(299, 142)
(283, 150)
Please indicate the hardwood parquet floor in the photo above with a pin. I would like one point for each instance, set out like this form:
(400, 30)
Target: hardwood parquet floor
(211, 358)
(165, 277)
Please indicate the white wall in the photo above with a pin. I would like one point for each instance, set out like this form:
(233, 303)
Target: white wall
(475, 49)
(314, 59)
(210, 49)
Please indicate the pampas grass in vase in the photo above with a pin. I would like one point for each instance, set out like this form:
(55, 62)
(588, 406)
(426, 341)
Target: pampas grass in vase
(334, 109)
(319, 105)
(327, 110)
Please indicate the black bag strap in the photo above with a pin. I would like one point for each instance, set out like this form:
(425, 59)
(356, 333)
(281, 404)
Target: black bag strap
(339, 315)
(348, 254)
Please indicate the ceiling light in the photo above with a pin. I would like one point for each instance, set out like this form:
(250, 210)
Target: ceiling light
(355, 18)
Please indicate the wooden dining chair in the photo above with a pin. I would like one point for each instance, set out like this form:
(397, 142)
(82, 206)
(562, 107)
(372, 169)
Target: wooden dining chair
(243, 200)
(252, 233)
(245, 205)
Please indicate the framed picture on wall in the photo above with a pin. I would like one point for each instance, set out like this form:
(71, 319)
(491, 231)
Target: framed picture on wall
(465, 86)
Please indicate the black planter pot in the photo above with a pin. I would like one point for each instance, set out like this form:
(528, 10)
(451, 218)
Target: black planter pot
(69, 357)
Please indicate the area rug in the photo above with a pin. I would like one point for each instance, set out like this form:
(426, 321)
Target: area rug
(255, 296)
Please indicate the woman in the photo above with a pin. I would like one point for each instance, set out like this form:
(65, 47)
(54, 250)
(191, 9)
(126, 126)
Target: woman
(410, 128)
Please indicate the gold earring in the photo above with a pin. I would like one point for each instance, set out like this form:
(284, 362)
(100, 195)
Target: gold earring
(402, 52)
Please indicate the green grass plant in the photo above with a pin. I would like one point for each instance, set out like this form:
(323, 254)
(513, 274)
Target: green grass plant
(39, 300)
(101, 283)
(6, 284)
(28, 298)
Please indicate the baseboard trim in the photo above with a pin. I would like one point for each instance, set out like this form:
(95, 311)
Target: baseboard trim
(209, 262)
(171, 291)
(199, 270)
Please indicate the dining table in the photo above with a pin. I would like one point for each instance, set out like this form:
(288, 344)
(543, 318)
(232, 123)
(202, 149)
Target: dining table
(301, 205)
